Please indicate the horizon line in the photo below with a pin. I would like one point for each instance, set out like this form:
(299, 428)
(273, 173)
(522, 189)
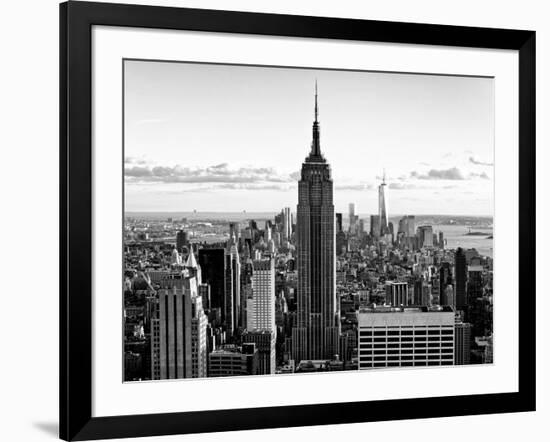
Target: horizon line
(278, 211)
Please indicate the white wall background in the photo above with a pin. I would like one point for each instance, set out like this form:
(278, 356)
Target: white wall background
(29, 219)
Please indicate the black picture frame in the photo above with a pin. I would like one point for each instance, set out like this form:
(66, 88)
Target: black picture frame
(76, 21)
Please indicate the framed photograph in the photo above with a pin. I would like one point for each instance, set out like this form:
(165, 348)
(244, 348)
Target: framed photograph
(272, 220)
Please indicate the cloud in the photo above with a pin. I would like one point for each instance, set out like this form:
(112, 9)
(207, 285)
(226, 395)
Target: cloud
(354, 187)
(218, 173)
(440, 174)
(481, 175)
(295, 175)
(479, 163)
(401, 186)
(134, 160)
(200, 188)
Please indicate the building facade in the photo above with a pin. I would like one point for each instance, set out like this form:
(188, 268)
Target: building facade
(463, 336)
(233, 361)
(461, 278)
(260, 311)
(397, 293)
(405, 337)
(213, 265)
(316, 334)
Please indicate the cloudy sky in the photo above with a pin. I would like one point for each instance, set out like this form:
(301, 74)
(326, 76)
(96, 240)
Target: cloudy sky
(233, 138)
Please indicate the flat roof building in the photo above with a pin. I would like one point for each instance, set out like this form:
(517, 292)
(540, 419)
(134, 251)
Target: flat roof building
(405, 336)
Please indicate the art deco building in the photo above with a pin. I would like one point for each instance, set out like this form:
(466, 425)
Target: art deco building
(178, 329)
(316, 334)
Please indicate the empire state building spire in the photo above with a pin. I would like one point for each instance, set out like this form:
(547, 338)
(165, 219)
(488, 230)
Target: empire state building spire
(316, 107)
(316, 333)
(315, 154)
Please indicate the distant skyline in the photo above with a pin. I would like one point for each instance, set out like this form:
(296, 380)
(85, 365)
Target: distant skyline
(221, 138)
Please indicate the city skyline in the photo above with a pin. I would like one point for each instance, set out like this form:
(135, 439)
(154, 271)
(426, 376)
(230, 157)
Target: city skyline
(297, 291)
(242, 166)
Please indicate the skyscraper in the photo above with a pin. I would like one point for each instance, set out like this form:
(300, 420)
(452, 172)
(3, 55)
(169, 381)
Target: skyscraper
(463, 331)
(287, 224)
(213, 265)
(261, 307)
(460, 279)
(445, 279)
(375, 226)
(232, 290)
(352, 217)
(178, 329)
(425, 236)
(340, 235)
(181, 240)
(338, 222)
(316, 335)
(382, 206)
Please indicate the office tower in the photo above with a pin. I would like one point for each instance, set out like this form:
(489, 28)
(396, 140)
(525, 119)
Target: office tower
(234, 232)
(461, 301)
(316, 335)
(351, 217)
(247, 271)
(178, 330)
(341, 243)
(181, 240)
(233, 361)
(463, 332)
(441, 242)
(361, 227)
(382, 206)
(199, 320)
(204, 293)
(407, 226)
(425, 236)
(397, 293)
(448, 296)
(375, 226)
(445, 279)
(339, 223)
(402, 226)
(265, 341)
(474, 287)
(232, 290)
(405, 337)
(287, 224)
(260, 310)
(418, 291)
(213, 265)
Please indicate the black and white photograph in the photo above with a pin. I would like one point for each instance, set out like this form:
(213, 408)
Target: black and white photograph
(283, 221)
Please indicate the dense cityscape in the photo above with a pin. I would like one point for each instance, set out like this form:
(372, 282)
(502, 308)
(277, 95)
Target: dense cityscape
(303, 291)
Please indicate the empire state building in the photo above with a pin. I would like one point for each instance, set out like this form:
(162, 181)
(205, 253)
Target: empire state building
(317, 330)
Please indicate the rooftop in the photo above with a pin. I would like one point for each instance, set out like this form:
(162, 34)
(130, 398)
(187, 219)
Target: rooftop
(407, 309)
